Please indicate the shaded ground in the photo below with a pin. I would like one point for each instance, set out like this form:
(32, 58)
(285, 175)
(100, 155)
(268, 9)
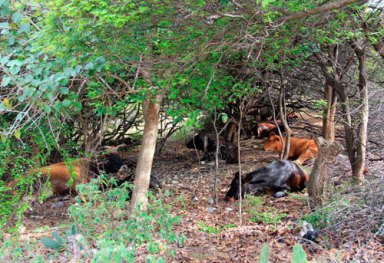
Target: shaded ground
(191, 182)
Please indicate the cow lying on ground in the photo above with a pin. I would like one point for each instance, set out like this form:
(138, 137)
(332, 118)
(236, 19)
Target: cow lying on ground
(278, 176)
(227, 150)
(264, 129)
(61, 173)
(300, 149)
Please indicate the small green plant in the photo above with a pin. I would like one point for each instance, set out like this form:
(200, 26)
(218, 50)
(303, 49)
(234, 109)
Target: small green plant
(214, 229)
(57, 242)
(209, 229)
(321, 217)
(253, 205)
(266, 217)
(228, 226)
(264, 254)
(298, 254)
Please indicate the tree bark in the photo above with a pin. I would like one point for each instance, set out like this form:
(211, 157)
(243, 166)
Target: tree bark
(352, 140)
(319, 187)
(330, 111)
(285, 152)
(359, 164)
(151, 108)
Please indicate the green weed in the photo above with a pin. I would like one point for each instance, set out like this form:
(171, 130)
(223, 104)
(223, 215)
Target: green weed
(214, 229)
(253, 206)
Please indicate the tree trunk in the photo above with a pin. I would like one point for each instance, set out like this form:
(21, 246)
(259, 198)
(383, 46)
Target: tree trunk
(349, 133)
(330, 111)
(352, 140)
(359, 164)
(151, 108)
(282, 111)
(88, 149)
(318, 187)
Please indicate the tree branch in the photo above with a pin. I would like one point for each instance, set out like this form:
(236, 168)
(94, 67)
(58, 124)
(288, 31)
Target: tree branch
(321, 9)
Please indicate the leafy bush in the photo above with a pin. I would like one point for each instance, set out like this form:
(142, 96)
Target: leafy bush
(103, 218)
(104, 231)
(322, 217)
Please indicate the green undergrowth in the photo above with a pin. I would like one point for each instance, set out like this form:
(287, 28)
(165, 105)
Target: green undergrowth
(258, 212)
(104, 230)
(214, 229)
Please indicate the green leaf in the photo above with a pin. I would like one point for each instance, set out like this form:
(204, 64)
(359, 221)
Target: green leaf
(19, 116)
(78, 106)
(299, 255)
(223, 117)
(64, 90)
(47, 108)
(58, 237)
(66, 103)
(3, 138)
(14, 70)
(4, 11)
(5, 81)
(17, 17)
(50, 243)
(57, 105)
(4, 25)
(264, 254)
(17, 134)
(89, 66)
(24, 28)
(4, 60)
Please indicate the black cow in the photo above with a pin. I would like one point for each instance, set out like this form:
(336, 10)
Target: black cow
(113, 164)
(227, 150)
(278, 176)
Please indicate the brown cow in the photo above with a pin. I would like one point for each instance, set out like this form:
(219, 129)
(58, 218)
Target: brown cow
(300, 149)
(59, 176)
(60, 173)
(263, 129)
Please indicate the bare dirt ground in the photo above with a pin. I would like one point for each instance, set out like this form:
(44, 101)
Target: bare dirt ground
(181, 173)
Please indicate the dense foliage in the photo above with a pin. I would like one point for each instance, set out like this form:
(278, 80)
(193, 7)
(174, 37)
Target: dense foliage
(73, 73)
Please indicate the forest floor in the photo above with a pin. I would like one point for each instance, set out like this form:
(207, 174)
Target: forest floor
(213, 231)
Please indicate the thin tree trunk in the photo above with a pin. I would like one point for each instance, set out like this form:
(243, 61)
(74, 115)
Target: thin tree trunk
(349, 133)
(359, 165)
(285, 152)
(84, 162)
(318, 187)
(239, 162)
(151, 108)
(329, 116)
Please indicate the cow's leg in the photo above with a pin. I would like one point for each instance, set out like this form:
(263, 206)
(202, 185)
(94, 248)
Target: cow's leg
(306, 155)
